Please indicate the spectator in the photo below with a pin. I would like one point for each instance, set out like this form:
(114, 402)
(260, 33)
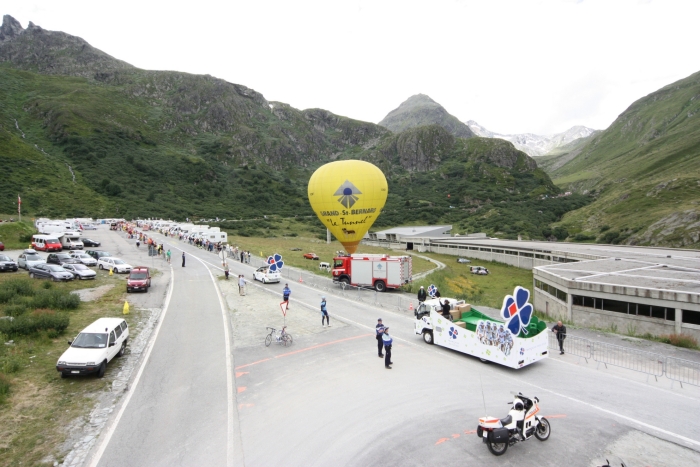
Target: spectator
(560, 330)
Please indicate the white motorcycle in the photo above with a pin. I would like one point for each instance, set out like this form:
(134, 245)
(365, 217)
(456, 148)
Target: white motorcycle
(521, 424)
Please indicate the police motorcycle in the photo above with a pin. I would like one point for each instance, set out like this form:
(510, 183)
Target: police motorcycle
(521, 424)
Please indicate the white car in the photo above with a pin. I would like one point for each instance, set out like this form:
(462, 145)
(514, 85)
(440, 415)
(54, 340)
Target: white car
(80, 271)
(463, 260)
(265, 276)
(29, 258)
(94, 347)
(84, 258)
(115, 264)
(480, 270)
(89, 226)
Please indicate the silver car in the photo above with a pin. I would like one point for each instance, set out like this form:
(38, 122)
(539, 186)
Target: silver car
(84, 258)
(80, 271)
(29, 258)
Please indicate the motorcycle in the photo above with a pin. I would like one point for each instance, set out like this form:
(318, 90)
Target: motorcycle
(521, 424)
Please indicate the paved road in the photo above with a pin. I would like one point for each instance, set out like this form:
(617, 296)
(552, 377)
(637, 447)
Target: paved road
(329, 399)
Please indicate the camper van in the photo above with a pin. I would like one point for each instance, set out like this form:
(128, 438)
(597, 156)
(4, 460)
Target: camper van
(71, 241)
(46, 242)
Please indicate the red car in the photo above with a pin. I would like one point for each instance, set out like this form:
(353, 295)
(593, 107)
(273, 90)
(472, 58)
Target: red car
(310, 256)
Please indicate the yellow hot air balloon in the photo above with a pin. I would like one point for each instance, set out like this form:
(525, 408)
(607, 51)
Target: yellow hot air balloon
(348, 196)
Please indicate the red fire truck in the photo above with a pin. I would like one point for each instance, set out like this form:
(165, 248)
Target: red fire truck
(380, 272)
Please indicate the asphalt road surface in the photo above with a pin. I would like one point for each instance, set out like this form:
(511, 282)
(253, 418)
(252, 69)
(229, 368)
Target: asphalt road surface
(328, 400)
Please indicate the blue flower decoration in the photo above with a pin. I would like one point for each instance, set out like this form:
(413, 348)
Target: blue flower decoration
(453, 333)
(275, 262)
(431, 290)
(517, 311)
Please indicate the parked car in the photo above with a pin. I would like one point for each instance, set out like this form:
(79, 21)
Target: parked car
(311, 256)
(50, 271)
(80, 271)
(115, 264)
(84, 258)
(89, 227)
(88, 242)
(61, 258)
(97, 254)
(7, 264)
(139, 279)
(29, 258)
(94, 348)
(265, 276)
(482, 271)
(463, 260)
(2, 246)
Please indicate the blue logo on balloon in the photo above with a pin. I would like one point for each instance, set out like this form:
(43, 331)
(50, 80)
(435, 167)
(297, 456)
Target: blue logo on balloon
(275, 262)
(517, 311)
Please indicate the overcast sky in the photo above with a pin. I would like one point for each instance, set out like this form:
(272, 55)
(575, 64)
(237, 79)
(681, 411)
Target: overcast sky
(514, 66)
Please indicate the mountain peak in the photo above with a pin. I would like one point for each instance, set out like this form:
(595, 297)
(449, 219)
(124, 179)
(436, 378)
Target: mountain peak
(420, 110)
(10, 28)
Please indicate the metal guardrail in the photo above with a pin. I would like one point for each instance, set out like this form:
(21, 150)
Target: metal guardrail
(582, 348)
(683, 371)
(650, 363)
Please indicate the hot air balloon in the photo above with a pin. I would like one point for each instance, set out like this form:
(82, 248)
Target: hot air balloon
(348, 196)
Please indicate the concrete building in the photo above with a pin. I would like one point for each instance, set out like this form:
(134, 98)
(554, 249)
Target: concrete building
(409, 238)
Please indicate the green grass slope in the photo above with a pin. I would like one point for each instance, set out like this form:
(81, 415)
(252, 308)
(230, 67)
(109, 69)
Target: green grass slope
(644, 171)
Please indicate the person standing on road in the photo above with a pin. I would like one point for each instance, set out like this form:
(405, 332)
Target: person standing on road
(183, 259)
(324, 312)
(422, 295)
(380, 334)
(286, 292)
(386, 338)
(226, 271)
(241, 284)
(167, 255)
(560, 330)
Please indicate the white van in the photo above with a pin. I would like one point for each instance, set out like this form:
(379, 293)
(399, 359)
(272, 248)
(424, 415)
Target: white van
(71, 241)
(94, 347)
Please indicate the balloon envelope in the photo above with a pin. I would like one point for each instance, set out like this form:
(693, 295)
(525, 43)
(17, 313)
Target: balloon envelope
(348, 196)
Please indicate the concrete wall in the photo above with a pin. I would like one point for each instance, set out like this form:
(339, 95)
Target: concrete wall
(552, 306)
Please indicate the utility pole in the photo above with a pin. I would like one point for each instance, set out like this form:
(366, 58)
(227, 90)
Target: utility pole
(328, 236)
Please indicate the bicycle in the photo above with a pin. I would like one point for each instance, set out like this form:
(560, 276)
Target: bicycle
(282, 337)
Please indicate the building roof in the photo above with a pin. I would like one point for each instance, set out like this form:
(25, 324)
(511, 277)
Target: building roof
(415, 231)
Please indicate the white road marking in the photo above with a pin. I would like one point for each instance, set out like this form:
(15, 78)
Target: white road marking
(108, 435)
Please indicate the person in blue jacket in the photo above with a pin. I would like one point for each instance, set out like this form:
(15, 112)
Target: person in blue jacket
(324, 312)
(286, 292)
(386, 338)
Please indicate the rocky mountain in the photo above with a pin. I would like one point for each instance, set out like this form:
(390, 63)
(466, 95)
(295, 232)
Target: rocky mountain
(420, 110)
(644, 170)
(84, 134)
(535, 145)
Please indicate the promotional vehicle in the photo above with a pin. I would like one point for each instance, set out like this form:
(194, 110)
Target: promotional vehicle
(480, 270)
(84, 258)
(266, 276)
(380, 272)
(97, 254)
(7, 264)
(50, 271)
(61, 258)
(139, 279)
(80, 271)
(521, 424)
(516, 342)
(94, 347)
(29, 258)
(71, 241)
(46, 243)
(114, 264)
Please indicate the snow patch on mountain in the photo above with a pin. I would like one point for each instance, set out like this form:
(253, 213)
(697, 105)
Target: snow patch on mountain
(531, 144)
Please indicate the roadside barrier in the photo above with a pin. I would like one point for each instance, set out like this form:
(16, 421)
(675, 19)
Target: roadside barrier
(582, 348)
(683, 371)
(650, 363)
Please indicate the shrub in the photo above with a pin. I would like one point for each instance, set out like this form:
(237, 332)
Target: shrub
(14, 287)
(40, 320)
(10, 364)
(16, 309)
(47, 285)
(4, 387)
(55, 298)
(682, 340)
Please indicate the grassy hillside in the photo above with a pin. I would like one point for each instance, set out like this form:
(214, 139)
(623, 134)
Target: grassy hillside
(644, 171)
